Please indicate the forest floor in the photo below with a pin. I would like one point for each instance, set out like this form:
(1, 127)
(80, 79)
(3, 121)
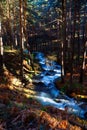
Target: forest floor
(20, 111)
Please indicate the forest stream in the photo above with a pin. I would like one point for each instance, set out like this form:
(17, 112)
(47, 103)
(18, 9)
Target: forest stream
(49, 95)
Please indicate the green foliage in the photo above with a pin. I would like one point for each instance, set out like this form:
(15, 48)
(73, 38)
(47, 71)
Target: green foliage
(30, 99)
(64, 88)
(44, 108)
(75, 86)
(7, 48)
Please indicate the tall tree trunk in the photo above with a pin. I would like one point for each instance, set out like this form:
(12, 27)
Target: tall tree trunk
(1, 51)
(73, 42)
(78, 32)
(84, 56)
(84, 49)
(9, 24)
(69, 34)
(21, 41)
(25, 22)
(63, 43)
(13, 25)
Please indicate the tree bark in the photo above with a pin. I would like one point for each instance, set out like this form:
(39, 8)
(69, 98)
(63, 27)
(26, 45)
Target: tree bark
(73, 28)
(63, 43)
(21, 41)
(84, 50)
(1, 52)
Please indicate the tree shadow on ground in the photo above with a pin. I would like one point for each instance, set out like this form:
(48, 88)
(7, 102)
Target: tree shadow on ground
(12, 62)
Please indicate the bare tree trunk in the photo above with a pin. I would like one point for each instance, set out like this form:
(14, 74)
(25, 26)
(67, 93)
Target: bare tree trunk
(21, 41)
(69, 34)
(25, 22)
(78, 33)
(13, 25)
(73, 43)
(63, 43)
(1, 52)
(10, 39)
(84, 51)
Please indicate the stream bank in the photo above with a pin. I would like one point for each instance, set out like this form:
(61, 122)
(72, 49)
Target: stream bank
(48, 94)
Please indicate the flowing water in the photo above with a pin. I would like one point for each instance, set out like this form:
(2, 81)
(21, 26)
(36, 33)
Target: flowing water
(48, 94)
